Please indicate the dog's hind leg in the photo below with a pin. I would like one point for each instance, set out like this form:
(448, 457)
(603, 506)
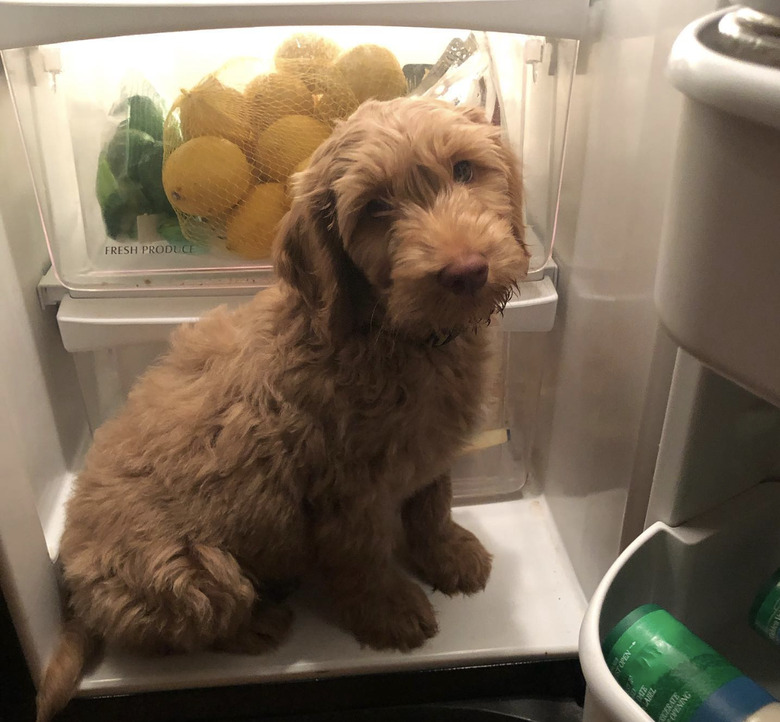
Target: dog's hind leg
(438, 550)
(167, 598)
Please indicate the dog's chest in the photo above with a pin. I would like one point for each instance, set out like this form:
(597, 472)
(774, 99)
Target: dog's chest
(404, 418)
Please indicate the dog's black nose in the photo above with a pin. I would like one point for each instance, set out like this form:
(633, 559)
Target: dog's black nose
(465, 276)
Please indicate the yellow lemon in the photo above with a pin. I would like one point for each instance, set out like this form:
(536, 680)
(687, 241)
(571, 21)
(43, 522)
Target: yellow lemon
(372, 72)
(251, 229)
(213, 109)
(286, 143)
(275, 95)
(305, 53)
(205, 176)
(333, 98)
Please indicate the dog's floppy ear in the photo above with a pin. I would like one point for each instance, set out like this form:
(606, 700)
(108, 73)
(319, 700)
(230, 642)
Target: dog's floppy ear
(311, 258)
(295, 256)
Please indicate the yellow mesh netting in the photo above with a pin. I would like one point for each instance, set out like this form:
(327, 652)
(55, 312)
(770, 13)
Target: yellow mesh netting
(232, 141)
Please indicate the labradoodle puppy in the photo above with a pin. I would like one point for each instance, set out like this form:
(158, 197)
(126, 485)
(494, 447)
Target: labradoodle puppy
(310, 431)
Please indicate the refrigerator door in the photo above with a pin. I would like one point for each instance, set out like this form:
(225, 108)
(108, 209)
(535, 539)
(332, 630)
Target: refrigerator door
(713, 540)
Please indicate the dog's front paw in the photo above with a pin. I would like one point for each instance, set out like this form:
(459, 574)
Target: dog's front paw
(455, 563)
(396, 618)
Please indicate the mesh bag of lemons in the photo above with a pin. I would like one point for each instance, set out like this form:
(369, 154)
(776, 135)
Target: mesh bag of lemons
(233, 140)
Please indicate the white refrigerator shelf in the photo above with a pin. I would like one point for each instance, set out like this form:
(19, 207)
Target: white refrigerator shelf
(531, 610)
(87, 324)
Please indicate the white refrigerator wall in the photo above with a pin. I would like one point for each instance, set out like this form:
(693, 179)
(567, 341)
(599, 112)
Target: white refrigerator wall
(43, 392)
(609, 362)
(43, 425)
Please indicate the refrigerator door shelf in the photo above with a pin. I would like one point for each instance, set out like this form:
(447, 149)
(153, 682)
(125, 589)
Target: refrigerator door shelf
(32, 22)
(706, 573)
(716, 288)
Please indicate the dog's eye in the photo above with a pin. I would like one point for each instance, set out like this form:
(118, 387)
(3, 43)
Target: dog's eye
(462, 171)
(378, 208)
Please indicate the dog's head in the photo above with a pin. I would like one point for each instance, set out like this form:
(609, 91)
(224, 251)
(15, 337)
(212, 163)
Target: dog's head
(409, 216)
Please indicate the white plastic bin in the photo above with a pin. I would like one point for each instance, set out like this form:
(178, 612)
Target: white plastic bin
(706, 573)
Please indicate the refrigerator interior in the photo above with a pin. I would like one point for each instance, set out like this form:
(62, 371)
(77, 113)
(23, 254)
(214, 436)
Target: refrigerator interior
(585, 401)
(62, 99)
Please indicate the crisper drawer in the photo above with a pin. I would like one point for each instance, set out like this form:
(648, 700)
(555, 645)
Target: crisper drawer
(113, 340)
(706, 573)
(162, 163)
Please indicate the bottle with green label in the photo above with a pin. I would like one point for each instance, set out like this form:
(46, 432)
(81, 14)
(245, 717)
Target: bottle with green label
(676, 677)
(765, 612)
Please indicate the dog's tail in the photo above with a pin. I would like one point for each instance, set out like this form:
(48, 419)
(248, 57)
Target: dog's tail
(62, 674)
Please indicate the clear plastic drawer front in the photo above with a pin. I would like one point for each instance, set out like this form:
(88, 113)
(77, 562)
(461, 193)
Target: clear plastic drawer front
(163, 162)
